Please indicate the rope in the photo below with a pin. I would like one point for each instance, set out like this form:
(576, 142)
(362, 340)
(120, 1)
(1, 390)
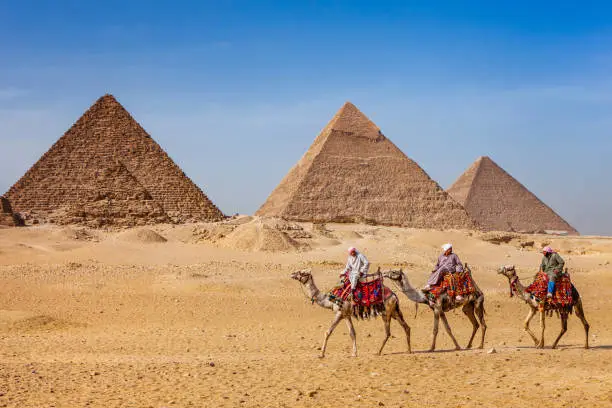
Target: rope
(304, 292)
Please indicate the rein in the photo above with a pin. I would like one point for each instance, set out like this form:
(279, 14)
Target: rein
(513, 285)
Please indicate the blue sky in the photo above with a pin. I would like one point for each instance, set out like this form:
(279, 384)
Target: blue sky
(235, 91)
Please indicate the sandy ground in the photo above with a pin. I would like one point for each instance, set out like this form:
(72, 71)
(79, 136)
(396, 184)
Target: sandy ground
(103, 319)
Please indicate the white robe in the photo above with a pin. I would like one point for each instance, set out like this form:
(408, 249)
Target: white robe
(357, 267)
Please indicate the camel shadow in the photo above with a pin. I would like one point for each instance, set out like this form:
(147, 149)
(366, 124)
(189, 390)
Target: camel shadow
(565, 347)
(433, 352)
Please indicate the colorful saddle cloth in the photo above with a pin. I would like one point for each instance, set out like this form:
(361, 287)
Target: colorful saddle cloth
(564, 296)
(454, 284)
(368, 297)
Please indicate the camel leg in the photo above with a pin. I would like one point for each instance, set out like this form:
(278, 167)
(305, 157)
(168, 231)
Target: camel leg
(435, 329)
(580, 314)
(468, 310)
(387, 322)
(480, 311)
(400, 319)
(330, 331)
(542, 327)
(532, 312)
(449, 331)
(563, 329)
(349, 323)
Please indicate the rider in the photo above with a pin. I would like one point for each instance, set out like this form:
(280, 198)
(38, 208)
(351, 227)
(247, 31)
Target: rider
(357, 266)
(448, 262)
(552, 264)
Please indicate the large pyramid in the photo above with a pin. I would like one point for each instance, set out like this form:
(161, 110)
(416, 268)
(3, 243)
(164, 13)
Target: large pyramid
(353, 173)
(106, 169)
(498, 202)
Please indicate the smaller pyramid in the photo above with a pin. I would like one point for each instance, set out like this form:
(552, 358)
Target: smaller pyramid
(353, 173)
(498, 202)
(7, 217)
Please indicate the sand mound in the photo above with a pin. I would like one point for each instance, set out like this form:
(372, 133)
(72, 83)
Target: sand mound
(259, 236)
(145, 236)
(77, 234)
(23, 321)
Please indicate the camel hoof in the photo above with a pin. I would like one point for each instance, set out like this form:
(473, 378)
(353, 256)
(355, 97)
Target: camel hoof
(469, 346)
(457, 348)
(321, 356)
(431, 350)
(355, 355)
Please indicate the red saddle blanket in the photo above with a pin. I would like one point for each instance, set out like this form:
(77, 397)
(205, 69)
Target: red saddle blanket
(563, 296)
(454, 284)
(368, 297)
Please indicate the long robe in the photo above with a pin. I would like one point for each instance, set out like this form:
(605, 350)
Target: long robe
(552, 265)
(357, 267)
(446, 264)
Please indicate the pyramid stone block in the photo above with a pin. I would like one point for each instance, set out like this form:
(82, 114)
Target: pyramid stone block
(353, 173)
(498, 202)
(7, 217)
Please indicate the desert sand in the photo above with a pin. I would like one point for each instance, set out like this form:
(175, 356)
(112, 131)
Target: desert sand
(205, 315)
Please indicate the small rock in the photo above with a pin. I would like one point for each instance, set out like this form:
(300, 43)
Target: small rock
(312, 393)
(492, 351)
(212, 364)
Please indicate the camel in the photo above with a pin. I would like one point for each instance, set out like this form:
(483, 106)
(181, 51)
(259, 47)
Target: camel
(472, 306)
(517, 288)
(343, 311)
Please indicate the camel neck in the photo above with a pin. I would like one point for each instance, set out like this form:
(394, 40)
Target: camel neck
(413, 294)
(519, 289)
(316, 295)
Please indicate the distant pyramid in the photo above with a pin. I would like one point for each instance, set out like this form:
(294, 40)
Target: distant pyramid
(498, 202)
(353, 173)
(106, 169)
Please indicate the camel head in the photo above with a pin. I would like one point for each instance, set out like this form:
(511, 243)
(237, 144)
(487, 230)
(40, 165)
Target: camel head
(394, 274)
(508, 271)
(302, 276)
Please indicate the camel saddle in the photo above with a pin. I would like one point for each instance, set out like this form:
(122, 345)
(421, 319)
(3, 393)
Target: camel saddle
(454, 284)
(564, 296)
(368, 297)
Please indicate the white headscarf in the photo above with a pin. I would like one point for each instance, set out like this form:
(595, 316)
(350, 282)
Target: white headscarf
(446, 247)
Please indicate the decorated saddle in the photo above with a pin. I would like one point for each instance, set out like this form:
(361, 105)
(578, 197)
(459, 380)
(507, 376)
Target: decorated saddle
(368, 297)
(564, 296)
(454, 284)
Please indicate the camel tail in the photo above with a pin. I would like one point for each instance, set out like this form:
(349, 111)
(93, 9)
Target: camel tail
(416, 310)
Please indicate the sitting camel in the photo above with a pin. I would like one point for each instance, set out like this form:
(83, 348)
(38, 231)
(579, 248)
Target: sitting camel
(517, 288)
(472, 306)
(343, 310)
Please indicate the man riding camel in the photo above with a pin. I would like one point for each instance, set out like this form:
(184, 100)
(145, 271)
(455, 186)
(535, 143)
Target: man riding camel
(357, 266)
(552, 265)
(448, 262)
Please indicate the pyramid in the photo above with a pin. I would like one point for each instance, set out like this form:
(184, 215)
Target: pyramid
(353, 173)
(106, 169)
(498, 202)
(7, 217)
